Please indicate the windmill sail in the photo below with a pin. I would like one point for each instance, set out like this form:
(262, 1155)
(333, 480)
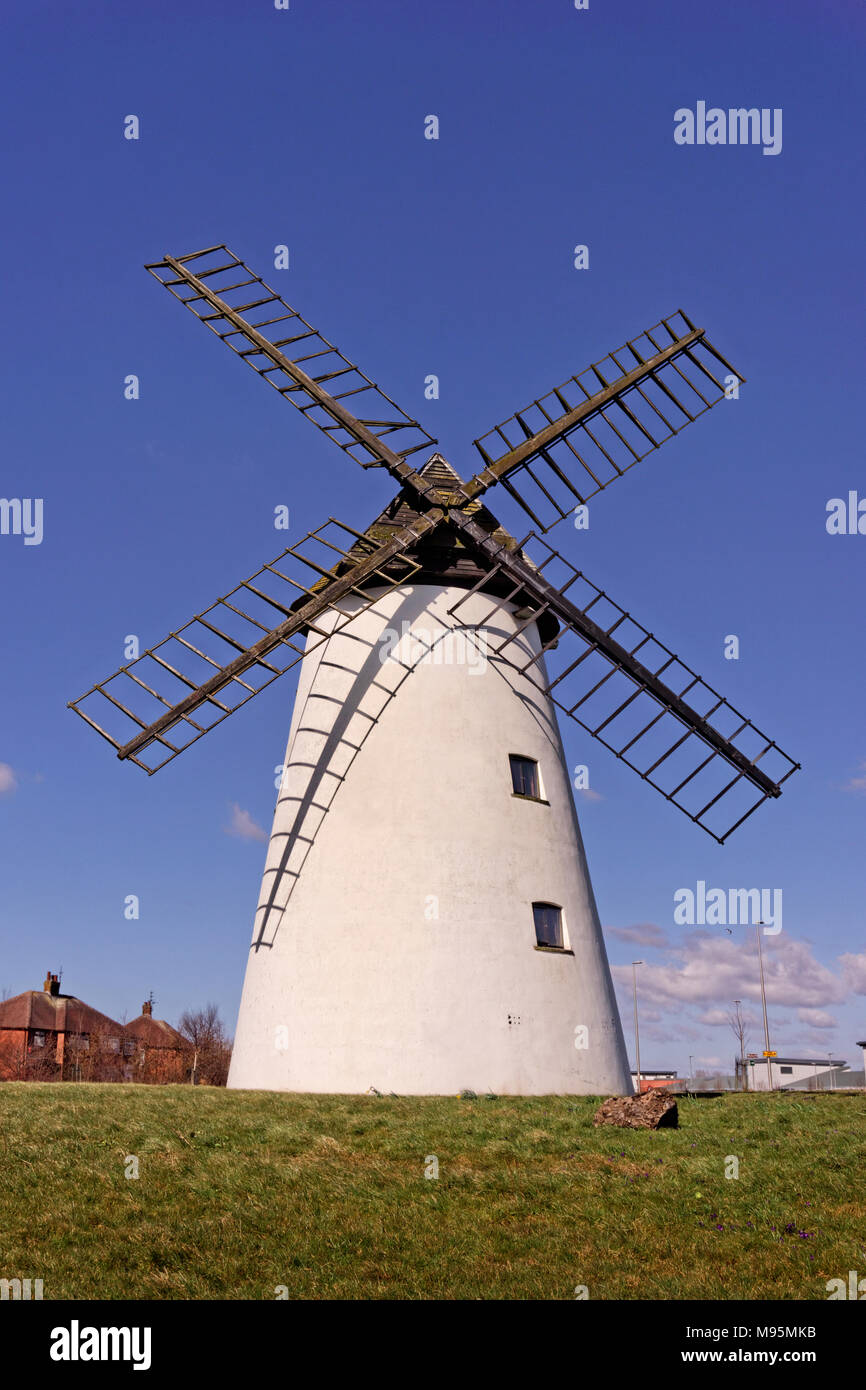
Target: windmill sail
(397, 622)
(631, 692)
(297, 360)
(570, 444)
(174, 693)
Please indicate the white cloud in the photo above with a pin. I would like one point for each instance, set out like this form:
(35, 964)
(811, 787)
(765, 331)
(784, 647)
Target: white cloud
(816, 1018)
(649, 1016)
(854, 971)
(8, 780)
(589, 794)
(681, 1032)
(858, 783)
(710, 970)
(642, 934)
(243, 826)
(714, 1017)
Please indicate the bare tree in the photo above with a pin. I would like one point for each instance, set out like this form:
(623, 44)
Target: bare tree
(211, 1043)
(738, 1027)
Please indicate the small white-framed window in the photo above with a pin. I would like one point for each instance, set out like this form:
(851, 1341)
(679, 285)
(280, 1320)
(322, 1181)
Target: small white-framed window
(525, 778)
(547, 918)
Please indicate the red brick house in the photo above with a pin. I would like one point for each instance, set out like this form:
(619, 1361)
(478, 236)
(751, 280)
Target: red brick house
(153, 1050)
(49, 1036)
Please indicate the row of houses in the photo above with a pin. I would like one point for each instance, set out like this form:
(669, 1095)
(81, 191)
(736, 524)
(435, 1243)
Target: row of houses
(49, 1036)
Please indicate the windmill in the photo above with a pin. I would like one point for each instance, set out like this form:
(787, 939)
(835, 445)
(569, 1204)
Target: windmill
(426, 921)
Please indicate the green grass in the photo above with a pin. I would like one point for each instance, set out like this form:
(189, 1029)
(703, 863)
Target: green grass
(242, 1191)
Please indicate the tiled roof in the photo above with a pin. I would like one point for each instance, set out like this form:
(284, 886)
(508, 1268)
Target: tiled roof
(154, 1032)
(54, 1013)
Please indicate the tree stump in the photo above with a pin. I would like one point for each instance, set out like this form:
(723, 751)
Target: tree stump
(652, 1110)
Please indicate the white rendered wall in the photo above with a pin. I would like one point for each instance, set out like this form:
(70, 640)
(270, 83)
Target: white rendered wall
(758, 1080)
(399, 950)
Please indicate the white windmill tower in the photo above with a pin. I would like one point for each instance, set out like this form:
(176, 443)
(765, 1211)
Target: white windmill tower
(426, 921)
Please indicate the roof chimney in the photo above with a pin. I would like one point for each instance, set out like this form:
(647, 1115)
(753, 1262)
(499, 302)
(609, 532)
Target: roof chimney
(147, 1009)
(52, 984)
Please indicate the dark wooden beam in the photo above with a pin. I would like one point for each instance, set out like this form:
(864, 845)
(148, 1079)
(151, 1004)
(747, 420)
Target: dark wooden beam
(544, 593)
(303, 617)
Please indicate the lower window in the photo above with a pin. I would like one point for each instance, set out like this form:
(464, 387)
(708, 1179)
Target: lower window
(548, 924)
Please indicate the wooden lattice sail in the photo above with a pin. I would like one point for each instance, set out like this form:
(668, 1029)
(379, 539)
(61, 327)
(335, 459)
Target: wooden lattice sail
(427, 923)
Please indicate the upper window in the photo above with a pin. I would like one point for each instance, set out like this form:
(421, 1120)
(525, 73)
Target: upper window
(548, 924)
(38, 1039)
(524, 776)
(789, 1071)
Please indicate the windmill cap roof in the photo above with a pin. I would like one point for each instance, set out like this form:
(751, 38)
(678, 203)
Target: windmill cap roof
(438, 471)
(445, 555)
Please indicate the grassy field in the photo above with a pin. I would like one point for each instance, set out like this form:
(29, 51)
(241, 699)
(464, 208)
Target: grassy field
(241, 1192)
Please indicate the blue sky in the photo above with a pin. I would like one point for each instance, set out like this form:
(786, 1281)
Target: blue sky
(452, 257)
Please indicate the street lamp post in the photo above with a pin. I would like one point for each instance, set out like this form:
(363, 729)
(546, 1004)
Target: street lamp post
(636, 1032)
(764, 1007)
